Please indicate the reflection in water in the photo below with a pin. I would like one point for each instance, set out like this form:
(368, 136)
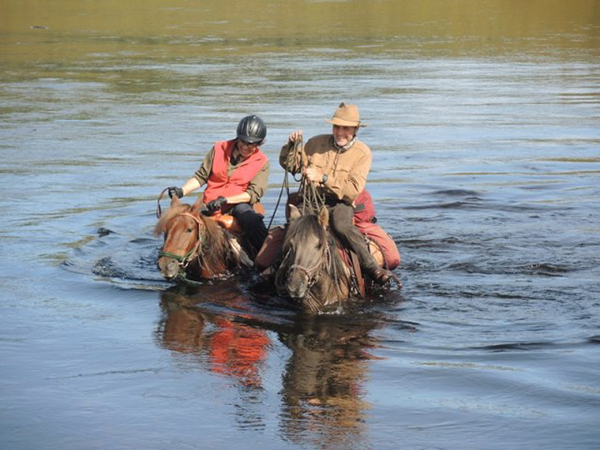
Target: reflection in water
(237, 350)
(323, 384)
(220, 345)
(182, 329)
(229, 347)
(324, 379)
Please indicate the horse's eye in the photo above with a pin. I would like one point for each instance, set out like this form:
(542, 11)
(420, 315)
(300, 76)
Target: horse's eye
(189, 230)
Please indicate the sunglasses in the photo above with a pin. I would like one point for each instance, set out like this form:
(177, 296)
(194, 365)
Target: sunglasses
(249, 144)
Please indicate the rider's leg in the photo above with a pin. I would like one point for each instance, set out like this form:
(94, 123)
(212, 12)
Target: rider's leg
(341, 222)
(252, 223)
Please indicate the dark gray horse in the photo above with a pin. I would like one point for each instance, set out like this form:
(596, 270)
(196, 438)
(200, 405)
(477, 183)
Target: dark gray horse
(312, 271)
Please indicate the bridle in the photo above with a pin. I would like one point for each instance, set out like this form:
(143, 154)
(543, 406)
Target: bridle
(312, 273)
(196, 251)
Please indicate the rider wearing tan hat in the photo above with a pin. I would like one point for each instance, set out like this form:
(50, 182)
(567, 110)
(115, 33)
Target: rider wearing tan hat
(346, 116)
(339, 163)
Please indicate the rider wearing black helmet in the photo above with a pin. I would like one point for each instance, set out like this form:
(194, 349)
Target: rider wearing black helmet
(252, 129)
(236, 173)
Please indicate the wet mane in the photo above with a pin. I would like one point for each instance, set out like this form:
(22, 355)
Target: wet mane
(302, 228)
(216, 249)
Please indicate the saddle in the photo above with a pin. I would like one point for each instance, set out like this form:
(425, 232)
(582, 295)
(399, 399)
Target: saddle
(351, 260)
(380, 244)
(229, 222)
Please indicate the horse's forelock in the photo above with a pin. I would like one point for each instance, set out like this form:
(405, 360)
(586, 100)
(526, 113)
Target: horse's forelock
(168, 215)
(302, 228)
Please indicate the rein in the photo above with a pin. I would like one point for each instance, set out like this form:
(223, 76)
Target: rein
(291, 156)
(312, 199)
(158, 208)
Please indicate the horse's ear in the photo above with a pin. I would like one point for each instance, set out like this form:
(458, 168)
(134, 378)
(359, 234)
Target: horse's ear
(175, 201)
(294, 212)
(324, 217)
(196, 206)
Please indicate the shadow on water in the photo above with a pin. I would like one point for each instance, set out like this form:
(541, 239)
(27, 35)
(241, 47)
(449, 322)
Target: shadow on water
(228, 333)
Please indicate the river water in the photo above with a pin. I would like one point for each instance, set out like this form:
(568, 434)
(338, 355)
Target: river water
(483, 117)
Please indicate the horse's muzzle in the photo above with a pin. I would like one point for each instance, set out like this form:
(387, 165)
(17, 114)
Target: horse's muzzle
(297, 285)
(169, 268)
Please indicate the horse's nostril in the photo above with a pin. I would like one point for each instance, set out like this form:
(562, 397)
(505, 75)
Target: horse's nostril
(169, 268)
(297, 290)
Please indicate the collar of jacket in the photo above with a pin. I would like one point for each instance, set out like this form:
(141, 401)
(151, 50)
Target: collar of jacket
(340, 148)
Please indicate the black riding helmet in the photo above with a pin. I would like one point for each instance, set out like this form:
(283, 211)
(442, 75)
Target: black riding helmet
(252, 129)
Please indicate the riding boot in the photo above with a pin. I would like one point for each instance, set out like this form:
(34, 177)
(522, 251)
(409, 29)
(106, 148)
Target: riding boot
(367, 262)
(255, 231)
(341, 222)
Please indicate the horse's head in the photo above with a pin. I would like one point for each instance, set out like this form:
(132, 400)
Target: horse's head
(183, 230)
(306, 251)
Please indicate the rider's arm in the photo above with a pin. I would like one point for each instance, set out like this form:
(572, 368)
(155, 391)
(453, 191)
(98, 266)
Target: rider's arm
(190, 185)
(244, 197)
(202, 174)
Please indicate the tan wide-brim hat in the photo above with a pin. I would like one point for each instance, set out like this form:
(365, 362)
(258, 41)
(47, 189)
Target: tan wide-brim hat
(346, 116)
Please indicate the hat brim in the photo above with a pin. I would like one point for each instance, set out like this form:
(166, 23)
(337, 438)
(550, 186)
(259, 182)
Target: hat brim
(345, 123)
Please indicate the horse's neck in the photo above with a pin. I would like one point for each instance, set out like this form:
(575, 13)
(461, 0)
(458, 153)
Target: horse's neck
(329, 291)
(216, 255)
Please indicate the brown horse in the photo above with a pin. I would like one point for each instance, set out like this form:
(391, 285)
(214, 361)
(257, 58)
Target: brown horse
(196, 247)
(312, 270)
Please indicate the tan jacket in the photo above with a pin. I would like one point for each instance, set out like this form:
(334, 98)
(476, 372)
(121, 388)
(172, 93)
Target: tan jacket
(347, 170)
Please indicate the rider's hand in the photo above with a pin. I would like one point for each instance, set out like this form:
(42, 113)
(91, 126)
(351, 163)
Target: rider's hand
(314, 175)
(174, 190)
(296, 135)
(216, 204)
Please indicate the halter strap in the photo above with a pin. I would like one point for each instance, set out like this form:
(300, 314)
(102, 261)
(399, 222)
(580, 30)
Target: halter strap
(313, 271)
(308, 272)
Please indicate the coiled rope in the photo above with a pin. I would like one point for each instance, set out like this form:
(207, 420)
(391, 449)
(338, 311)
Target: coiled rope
(312, 199)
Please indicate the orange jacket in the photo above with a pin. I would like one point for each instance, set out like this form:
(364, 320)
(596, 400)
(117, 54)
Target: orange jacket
(219, 183)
